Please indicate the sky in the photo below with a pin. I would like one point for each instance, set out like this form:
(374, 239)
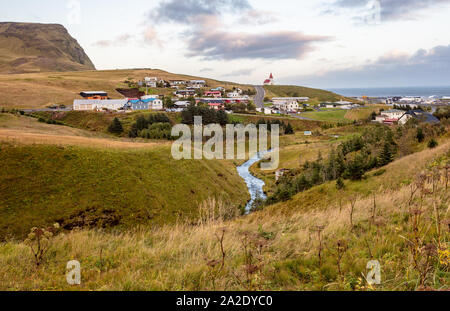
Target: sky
(320, 43)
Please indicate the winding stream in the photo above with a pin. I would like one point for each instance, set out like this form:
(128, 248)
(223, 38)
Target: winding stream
(254, 185)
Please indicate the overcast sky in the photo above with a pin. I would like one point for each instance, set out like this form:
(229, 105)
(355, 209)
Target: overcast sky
(320, 43)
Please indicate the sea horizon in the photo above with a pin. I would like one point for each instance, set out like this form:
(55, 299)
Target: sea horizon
(422, 91)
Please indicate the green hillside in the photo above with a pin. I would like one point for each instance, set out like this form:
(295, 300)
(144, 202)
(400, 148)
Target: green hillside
(103, 188)
(300, 91)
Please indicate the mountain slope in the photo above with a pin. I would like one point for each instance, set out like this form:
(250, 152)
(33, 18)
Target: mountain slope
(29, 47)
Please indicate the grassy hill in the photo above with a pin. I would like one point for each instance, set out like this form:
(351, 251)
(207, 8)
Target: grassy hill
(30, 47)
(316, 95)
(125, 187)
(279, 246)
(39, 90)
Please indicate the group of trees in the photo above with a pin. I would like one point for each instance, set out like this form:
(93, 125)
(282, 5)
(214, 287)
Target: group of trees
(241, 107)
(351, 160)
(209, 116)
(285, 128)
(154, 126)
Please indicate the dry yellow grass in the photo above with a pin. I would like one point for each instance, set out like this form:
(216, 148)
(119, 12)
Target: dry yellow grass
(22, 137)
(38, 90)
(25, 130)
(180, 257)
(365, 113)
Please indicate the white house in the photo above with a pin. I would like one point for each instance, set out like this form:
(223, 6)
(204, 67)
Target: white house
(182, 104)
(155, 104)
(177, 83)
(288, 103)
(233, 95)
(95, 104)
(267, 111)
(393, 114)
(197, 83)
(151, 81)
(283, 100)
(150, 97)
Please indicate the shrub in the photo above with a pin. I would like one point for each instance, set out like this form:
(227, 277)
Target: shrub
(116, 127)
(39, 240)
(432, 143)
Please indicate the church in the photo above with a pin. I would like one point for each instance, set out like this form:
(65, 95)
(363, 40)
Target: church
(269, 81)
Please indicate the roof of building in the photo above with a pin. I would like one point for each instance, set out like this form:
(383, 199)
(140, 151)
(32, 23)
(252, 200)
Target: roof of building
(101, 101)
(93, 93)
(271, 76)
(392, 111)
(182, 103)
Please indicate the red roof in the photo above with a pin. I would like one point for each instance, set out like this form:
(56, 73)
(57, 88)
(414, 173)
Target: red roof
(267, 81)
(271, 76)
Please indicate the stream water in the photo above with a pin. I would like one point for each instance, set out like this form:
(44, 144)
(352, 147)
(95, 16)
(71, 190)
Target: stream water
(254, 185)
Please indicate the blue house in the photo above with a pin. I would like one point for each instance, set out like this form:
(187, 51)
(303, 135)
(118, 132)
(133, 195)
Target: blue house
(137, 104)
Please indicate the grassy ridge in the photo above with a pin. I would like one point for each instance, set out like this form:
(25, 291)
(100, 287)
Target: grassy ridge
(40, 184)
(300, 91)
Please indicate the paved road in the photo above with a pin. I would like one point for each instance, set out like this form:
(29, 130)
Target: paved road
(259, 98)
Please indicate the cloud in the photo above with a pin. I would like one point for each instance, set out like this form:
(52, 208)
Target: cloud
(257, 17)
(240, 72)
(389, 9)
(423, 68)
(187, 10)
(151, 37)
(207, 37)
(120, 40)
(213, 43)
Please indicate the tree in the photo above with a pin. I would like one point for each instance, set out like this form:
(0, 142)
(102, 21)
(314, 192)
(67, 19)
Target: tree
(168, 103)
(386, 155)
(420, 136)
(289, 129)
(355, 168)
(116, 127)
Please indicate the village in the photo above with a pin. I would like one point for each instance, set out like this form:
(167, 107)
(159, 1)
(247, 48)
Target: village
(197, 92)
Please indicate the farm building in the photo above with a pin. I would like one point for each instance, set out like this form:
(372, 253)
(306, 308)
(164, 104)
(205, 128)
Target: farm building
(95, 104)
(94, 95)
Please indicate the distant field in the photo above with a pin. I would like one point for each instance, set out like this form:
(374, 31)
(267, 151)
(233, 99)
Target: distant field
(327, 116)
(364, 113)
(38, 90)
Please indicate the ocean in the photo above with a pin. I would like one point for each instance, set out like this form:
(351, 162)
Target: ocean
(394, 91)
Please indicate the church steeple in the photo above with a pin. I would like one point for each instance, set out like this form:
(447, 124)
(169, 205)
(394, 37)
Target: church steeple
(271, 76)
